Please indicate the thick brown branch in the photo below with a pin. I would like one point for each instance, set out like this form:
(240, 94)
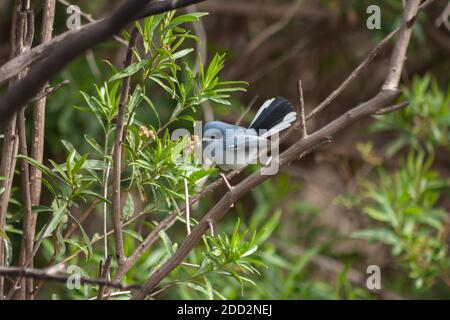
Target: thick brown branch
(63, 49)
(16, 65)
(23, 32)
(401, 46)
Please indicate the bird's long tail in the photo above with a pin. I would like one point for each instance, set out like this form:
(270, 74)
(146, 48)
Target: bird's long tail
(275, 115)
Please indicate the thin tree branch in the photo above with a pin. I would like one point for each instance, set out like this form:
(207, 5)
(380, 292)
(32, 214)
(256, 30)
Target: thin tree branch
(48, 275)
(43, 95)
(104, 275)
(71, 229)
(23, 37)
(258, 9)
(247, 110)
(188, 212)
(117, 153)
(401, 46)
(264, 35)
(393, 108)
(26, 250)
(443, 18)
(89, 18)
(325, 103)
(301, 112)
(28, 234)
(10, 142)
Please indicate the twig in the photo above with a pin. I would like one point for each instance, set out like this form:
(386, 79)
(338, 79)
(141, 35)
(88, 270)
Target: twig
(443, 18)
(257, 9)
(247, 110)
(264, 35)
(325, 103)
(211, 227)
(188, 214)
(71, 229)
(364, 64)
(117, 154)
(89, 18)
(10, 140)
(104, 271)
(227, 183)
(24, 40)
(392, 108)
(301, 112)
(38, 125)
(50, 276)
(48, 91)
(7, 165)
(26, 251)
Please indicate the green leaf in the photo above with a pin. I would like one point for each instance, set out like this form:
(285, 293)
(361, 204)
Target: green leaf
(96, 165)
(382, 235)
(95, 195)
(182, 53)
(39, 166)
(167, 243)
(94, 144)
(190, 17)
(80, 163)
(58, 215)
(249, 252)
(128, 209)
(377, 214)
(129, 71)
(87, 241)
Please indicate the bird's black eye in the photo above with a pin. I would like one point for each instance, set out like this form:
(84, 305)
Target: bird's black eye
(213, 136)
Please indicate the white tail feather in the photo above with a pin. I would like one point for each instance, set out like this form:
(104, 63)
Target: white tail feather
(286, 123)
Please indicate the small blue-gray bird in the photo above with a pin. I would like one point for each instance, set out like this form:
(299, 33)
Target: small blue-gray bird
(233, 147)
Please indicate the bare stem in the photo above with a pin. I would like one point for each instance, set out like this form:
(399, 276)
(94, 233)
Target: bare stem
(48, 275)
(302, 109)
(117, 153)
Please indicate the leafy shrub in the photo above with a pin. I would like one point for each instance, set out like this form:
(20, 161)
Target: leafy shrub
(424, 124)
(406, 205)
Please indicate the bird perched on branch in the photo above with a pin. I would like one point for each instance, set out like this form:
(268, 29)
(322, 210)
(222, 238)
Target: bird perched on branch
(233, 147)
